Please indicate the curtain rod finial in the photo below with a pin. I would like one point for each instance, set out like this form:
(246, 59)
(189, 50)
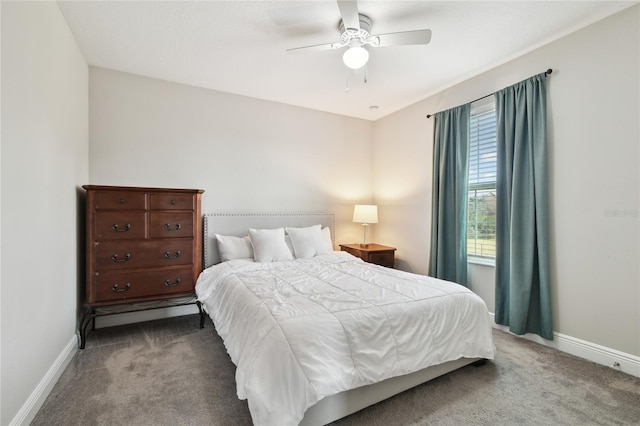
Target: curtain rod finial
(549, 71)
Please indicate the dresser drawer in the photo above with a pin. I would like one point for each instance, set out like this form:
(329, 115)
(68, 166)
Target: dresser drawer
(120, 200)
(170, 224)
(140, 254)
(168, 201)
(120, 225)
(124, 285)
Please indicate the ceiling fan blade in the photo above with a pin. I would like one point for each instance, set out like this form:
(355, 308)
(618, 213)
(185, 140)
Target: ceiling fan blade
(404, 38)
(349, 13)
(311, 49)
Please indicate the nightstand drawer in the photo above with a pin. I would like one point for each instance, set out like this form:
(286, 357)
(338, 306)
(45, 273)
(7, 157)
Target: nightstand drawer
(384, 259)
(372, 253)
(352, 251)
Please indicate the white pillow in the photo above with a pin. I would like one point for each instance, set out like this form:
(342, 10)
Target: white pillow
(231, 247)
(269, 245)
(326, 236)
(287, 239)
(307, 242)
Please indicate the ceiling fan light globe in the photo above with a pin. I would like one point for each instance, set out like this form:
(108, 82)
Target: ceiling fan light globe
(355, 57)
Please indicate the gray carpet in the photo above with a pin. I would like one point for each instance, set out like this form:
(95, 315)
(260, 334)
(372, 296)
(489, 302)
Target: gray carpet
(169, 372)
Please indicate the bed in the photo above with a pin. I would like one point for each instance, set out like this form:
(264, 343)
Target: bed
(317, 334)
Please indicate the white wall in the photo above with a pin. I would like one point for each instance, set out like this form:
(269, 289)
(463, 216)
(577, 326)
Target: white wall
(594, 162)
(247, 154)
(44, 160)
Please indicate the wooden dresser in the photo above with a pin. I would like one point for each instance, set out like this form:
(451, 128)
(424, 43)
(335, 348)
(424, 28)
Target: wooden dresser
(143, 244)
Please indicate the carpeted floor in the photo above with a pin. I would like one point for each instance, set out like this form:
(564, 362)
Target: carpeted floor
(169, 372)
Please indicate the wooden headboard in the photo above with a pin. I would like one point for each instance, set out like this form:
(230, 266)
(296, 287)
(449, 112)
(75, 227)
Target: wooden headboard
(238, 224)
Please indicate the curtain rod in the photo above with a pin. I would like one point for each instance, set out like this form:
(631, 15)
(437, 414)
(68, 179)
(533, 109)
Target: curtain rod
(547, 72)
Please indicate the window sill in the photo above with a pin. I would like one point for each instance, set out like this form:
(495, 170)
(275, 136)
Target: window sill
(482, 261)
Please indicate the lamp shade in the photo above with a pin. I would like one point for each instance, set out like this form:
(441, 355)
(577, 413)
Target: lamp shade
(355, 57)
(365, 214)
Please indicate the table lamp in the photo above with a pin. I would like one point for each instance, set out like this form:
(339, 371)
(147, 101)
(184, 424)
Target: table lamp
(365, 214)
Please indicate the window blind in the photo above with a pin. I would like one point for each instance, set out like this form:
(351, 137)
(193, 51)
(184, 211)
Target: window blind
(481, 221)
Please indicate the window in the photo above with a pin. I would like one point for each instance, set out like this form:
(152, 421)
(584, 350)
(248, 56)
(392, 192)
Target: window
(481, 220)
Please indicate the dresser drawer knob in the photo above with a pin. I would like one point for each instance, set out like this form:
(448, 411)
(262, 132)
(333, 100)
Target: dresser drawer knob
(117, 228)
(168, 227)
(121, 200)
(117, 258)
(115, 288)
(173, 202)
(168, 283)
(168, 255)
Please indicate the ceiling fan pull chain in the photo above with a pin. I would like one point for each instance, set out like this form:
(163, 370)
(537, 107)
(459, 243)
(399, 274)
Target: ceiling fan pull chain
(346, 82)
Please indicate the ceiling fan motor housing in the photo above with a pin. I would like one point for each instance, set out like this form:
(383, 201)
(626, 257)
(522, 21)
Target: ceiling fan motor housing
(362, 34)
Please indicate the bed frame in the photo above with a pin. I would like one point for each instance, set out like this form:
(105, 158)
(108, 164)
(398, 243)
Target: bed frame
(332, 407)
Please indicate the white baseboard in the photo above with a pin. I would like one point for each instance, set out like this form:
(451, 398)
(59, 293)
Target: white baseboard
(599, 354)
(30, 408)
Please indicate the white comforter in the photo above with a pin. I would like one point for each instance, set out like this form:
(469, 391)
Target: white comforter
(305, 329)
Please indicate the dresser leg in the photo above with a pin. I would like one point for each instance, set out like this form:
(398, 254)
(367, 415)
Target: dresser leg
(202, 313)
(87, 317)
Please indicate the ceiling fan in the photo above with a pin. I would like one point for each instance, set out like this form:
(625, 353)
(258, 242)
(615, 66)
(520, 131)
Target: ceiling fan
(355, 29)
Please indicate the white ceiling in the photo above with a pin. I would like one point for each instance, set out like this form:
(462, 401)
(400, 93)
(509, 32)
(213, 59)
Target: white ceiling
(239, 46)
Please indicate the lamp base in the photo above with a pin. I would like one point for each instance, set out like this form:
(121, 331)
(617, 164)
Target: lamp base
(364, 235)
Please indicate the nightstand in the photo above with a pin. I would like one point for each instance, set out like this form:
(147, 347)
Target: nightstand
(372, 253)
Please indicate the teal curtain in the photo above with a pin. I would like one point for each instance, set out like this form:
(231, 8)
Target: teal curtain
(522, 240)
(448, 257)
